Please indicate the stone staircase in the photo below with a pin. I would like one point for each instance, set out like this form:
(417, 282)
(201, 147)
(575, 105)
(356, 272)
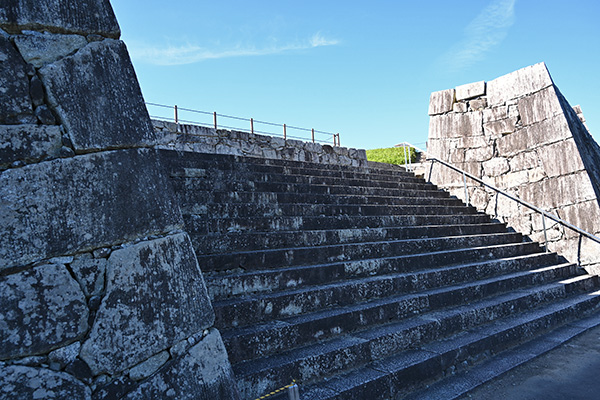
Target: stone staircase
(361, 282)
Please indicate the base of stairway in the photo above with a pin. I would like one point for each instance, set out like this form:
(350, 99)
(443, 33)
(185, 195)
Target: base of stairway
(458, 386)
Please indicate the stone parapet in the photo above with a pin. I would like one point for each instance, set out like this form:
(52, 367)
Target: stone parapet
(200, 139)
(519, 133)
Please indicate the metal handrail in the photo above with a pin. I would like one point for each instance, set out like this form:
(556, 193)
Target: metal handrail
(545, 214)
(177, 120)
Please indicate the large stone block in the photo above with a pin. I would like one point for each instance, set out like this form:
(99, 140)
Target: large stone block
(560, 158)
(540, 106)
(40, 49)
(519, 83)
(42, 309)
(204, 373)
(83, 17)
(28, 143)
(456, 125)
(97, 97)
(560, 191)
(95, 200)
(470, 90)
(18, 382)
(15, 101)
(155, 297)
(441, 102)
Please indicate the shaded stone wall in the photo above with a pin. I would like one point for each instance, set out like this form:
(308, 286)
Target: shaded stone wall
(219, 141)
(519, 133)
(101, 295)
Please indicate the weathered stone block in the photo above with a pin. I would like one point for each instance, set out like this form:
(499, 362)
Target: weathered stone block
(524, 161)
(512, 179)
(17, 382)
(470, 90)
(496, 166)
(204, 373)
(95, 200)
(499, 128)
(562, 190)
(441, 102)
(15, 101)
(155, 297)
(149, 366)
(40, 49)
(459, 107)
(456, 125)
(519, 83)
(94, 16)
(42, 309)
(495, 113)
(583, 215)
(117, 117)
(547, 131)
(479, 154)
(560, 158)
(478, 104)
(539, 106)
(89, 272)
(28, 143)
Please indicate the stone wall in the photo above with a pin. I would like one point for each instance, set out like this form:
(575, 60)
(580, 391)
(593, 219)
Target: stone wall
(201, 139)
(519, 133)
(101, 294)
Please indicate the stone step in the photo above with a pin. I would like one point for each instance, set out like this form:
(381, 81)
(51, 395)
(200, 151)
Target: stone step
(224, 286)
(191, 198)
(217, 161)
(235, 210)
(309, 255)
(205, 224)
(379, 361)
(246, 310)
(247, 241)
(285, 333)
(287, 184)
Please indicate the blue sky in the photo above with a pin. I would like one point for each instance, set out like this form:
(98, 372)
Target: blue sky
(363, 69)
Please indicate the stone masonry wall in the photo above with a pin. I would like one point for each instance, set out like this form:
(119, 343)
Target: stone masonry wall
(101, 294)
(518, 133)
(219, 141)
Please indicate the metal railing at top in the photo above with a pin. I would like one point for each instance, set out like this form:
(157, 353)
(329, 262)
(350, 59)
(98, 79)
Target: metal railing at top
(176, 113)
(407, 156)
(544, 214)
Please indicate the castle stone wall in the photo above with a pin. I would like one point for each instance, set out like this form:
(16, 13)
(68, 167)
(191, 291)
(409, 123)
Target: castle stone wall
(201, 139)
(101, 294)
(519, 133)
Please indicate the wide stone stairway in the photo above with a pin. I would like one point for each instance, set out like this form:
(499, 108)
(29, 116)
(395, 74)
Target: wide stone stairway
(362, 283)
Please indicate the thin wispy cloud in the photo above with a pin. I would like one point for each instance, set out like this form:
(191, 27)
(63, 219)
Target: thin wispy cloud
(482, 34)
(190, 53)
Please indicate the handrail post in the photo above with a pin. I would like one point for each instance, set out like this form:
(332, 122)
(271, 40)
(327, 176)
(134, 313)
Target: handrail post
(284, 133)
(338, 139)
(252, 125)
(545, 235)
(176, 117)
(431, 169)
(405, 160)
(215, 119)
(313, 134)
(466, 190)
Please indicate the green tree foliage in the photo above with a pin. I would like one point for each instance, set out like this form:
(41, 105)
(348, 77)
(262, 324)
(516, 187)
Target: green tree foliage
(392, 155)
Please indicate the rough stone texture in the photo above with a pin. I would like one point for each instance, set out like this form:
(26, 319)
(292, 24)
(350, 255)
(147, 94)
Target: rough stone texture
(470, 90)
(28, 143)
(85, 202)
(117, 117)
(155, 297)
(90, 273)
(521, 82)
(203, 374)
(42, 309)
(15, 102)
(201, 139)
(63, 16)
(18, 382)
(534, 145)
(441, 102)
(148, 367)
(40, 49)
(65, 355)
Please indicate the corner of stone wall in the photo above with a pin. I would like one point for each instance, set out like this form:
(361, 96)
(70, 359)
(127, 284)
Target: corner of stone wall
(100, 290)
(518, 133)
